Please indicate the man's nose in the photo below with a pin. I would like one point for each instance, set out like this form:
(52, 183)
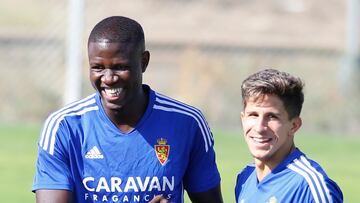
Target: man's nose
(261, 124)
(109, 76)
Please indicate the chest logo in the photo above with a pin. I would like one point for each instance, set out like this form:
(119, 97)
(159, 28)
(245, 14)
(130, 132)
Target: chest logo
(272, 200)
(162, 150)
(94, 153)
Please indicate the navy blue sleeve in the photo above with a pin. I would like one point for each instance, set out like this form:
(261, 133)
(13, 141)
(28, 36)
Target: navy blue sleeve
(335, 191)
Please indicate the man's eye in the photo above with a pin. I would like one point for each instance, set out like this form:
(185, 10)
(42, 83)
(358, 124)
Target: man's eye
(120, 67)
(252, 115)
(96, 67)
(271, 116)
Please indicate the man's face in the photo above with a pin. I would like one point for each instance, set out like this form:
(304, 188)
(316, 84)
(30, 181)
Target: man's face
(267, 129)
(116, 72)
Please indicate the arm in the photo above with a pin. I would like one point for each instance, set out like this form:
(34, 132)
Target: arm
(53, 182)
(202, 178)
(211, 196)
(53, 196)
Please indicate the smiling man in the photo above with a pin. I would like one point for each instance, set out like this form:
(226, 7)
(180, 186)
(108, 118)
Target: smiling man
(127, 142)
(272, 102)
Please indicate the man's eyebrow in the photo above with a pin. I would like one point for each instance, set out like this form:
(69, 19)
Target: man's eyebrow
(273, 113)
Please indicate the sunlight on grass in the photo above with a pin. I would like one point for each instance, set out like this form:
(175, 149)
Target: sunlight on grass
(339, 156)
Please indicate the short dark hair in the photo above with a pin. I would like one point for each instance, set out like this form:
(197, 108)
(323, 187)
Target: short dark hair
(118, 29)
(270, 81)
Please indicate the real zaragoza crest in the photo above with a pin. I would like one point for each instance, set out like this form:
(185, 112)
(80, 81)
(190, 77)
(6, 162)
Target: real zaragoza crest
(162, 150)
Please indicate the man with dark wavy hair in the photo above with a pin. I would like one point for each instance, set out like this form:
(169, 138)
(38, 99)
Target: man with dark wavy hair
(272, 102)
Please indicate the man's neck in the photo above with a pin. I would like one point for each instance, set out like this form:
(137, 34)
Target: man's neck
(262, 169)
(127, 117)
(265, 166)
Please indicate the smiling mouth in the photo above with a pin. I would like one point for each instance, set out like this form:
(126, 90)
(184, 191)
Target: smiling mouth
(261, 140)
(113, 92)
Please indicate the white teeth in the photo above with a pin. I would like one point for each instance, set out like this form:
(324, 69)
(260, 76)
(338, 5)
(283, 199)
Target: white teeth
(113, 92)
(261, 140)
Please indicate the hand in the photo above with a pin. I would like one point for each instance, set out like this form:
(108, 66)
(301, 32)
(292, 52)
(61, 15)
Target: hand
(159, 199)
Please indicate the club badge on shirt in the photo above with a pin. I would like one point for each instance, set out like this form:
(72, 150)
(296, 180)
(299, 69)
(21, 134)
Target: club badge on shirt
(162, 150)
(272, 200)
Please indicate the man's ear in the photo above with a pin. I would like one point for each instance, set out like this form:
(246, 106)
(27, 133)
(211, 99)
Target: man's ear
(296, 124)
(242, 115)
(145, 58)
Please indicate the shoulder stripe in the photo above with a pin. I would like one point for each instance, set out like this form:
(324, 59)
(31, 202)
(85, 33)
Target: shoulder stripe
(54, 114)
(55, 118)
(186, 113)
(314, 179)
(56, 126)
(184, 106)
(191, 109)
(307, 178)
(168, 104)
(320, 176)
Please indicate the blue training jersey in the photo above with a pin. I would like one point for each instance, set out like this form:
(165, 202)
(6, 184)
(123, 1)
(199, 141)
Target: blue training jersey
(296, 179)
(169, 150)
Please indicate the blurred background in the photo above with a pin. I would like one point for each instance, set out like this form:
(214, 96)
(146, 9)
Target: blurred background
(201, 50)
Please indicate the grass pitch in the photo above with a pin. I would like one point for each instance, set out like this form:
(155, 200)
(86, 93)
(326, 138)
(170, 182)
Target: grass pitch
(339, 156)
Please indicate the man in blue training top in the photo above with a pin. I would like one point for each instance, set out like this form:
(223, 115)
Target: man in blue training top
(126, 142)
(272, 102)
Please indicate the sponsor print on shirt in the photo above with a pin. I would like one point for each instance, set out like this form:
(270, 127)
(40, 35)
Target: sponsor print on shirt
(131, 189)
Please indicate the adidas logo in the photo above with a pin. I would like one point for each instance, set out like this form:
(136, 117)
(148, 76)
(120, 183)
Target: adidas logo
(94, 153)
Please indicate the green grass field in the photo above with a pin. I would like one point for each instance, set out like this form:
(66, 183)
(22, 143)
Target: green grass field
(339, 156)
